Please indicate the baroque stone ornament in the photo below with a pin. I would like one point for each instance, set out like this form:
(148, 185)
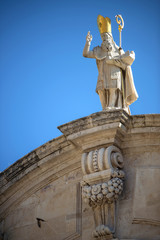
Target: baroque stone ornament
(115, 85)
(101, 187)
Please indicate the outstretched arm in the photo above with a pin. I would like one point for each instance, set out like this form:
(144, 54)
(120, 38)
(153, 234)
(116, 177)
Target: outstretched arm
(86, 51)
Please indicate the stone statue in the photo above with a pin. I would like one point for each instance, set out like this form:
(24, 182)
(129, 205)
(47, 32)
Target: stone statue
(115, 85)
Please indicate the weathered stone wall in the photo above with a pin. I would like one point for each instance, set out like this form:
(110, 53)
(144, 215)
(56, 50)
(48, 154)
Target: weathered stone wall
(41, 193)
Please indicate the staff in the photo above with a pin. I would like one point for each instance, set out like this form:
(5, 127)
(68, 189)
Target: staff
(120, 27)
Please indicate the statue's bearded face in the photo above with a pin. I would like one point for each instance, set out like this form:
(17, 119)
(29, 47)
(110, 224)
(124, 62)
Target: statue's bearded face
(107, 42)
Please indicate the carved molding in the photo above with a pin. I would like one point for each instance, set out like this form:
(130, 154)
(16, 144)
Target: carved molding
(101, 186)
(146, 221)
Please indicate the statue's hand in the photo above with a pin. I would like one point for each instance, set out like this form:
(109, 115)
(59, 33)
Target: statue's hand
(86, 50)
(89, 37)
(128, 57)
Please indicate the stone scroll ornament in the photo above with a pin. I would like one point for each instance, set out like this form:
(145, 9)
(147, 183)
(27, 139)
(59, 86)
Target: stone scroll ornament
(101, 187)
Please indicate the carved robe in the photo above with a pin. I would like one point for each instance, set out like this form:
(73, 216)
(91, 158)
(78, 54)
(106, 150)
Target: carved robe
(117, 75)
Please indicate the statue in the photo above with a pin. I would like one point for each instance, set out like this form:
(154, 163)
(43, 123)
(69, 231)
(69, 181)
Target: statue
(115, 85)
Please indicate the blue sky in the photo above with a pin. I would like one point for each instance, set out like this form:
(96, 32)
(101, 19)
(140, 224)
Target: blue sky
(44, 79)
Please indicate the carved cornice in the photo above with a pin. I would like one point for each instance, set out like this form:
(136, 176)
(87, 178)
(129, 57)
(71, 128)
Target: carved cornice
(34, 160)
(99, 129)
(94, 120)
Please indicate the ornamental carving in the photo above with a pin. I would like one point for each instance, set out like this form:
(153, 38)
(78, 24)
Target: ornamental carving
(102, 159)
(106, 192)
(101, 187)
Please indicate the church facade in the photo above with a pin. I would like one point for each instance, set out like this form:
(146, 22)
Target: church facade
(98, 180)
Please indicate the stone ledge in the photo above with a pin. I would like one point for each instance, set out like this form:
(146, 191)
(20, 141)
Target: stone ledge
(145, 120)
(94, 120)
(32, 160)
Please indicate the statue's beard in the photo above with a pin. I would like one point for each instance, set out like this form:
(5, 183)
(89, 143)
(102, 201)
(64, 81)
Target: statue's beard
(107, 47)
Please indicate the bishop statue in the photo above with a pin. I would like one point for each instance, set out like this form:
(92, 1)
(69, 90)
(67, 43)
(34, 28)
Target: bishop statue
(115, 85)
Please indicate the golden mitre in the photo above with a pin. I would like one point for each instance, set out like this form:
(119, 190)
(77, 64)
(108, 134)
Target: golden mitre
(104, 24)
